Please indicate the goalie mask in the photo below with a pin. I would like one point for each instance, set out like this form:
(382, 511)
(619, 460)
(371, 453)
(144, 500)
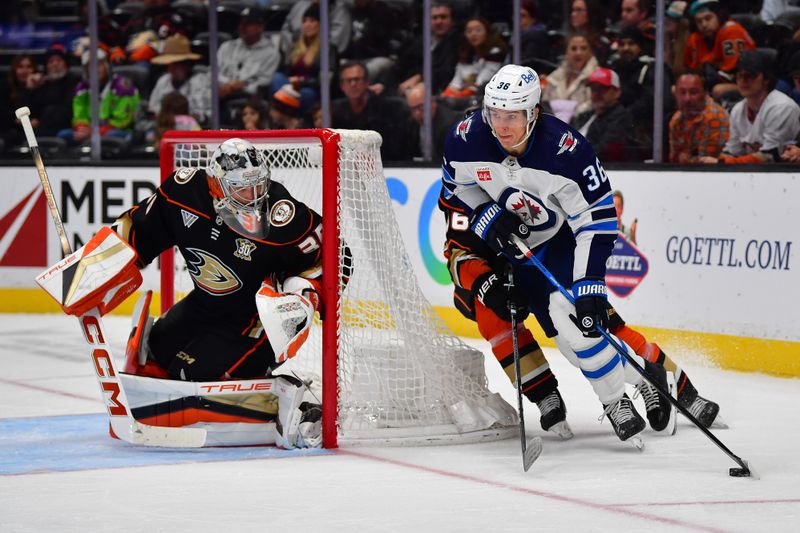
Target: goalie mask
(513, 88)
(238, 178)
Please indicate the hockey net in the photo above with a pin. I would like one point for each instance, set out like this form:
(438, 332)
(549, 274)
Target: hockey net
(392, 371)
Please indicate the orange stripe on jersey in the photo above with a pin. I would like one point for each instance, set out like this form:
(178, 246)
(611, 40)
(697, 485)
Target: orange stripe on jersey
(300, 238)
(195, 211)
(231, 370)
(452, 207)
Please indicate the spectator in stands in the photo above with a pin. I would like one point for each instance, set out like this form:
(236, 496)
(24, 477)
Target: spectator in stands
(677, 31)
(445, 38)
(533, 39)
(629, 232)
(715, 47)
(173, 115)
(340, 24)
(302, 65)
(361, 109)
(792, 88)
(636, 14)
(15, 93)
(700, 126)
(246, 64)
(143, 34)
(52, 97)
(254, 114)
(119, 103)
(443, 120)
(375, 27)
(765, 121)
(608, 125)
(21, 76)
(565, 89)
(285, 112)
(586, 18)
(637, 74)
(480, 56)
(179, 60)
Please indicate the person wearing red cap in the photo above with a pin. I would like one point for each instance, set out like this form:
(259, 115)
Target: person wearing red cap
(608, 125)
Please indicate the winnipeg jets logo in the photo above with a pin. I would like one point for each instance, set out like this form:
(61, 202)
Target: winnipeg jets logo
(210, 273)
(529, 209)
(188, 218)
(243, 249)
(568, 143)
(463, 128)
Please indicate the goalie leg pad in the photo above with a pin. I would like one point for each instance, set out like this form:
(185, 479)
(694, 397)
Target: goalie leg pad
(102, 274)
(299, 422)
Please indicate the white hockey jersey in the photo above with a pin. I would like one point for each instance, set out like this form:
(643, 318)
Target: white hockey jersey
(558, 180)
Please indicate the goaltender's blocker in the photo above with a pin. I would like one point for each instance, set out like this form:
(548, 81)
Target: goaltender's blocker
(254, 255)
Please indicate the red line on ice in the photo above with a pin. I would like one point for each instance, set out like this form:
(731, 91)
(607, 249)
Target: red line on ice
(557, 497)
(47, 389)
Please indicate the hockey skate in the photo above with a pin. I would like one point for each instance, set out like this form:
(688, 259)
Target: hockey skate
(554, 415)
(660, 412)
(705, 411)
(627, 423)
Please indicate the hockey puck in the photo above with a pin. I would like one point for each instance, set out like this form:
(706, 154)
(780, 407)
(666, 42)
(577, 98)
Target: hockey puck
(739, 472)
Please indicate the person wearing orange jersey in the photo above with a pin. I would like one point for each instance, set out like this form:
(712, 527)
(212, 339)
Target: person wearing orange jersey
(716, 45)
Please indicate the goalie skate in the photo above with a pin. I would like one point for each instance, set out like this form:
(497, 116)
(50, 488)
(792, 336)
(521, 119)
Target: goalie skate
(554, 415)
(627, 423)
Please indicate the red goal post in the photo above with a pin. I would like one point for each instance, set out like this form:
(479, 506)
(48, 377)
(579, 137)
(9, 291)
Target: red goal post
(391, 370)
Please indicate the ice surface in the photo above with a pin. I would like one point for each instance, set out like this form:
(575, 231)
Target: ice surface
(59, 470)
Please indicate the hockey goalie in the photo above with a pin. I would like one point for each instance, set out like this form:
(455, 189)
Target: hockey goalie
(254, 255)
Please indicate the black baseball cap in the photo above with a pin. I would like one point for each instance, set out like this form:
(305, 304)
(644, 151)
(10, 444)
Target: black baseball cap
(755, 62)
(252, 14)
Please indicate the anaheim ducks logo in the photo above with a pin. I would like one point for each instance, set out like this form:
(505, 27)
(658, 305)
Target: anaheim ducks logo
(211, 274)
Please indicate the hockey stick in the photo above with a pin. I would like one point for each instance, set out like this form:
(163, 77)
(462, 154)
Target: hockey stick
(745, 470)
(531, 450)
(120, 418)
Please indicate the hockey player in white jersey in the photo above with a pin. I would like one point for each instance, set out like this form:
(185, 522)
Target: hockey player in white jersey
(515, 170)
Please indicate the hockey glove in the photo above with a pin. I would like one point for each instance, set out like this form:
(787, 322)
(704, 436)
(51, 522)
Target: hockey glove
(591, 306)
(495, 226)
(490, 290)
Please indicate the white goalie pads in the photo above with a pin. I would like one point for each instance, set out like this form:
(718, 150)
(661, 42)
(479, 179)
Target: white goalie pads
(287, 315)
(254, 412)
(102, 273)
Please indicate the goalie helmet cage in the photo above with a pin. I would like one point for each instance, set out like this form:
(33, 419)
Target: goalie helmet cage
(392, 371)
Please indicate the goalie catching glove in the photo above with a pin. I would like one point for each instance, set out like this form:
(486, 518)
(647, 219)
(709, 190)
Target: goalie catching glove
(287, 316)
(102, 273)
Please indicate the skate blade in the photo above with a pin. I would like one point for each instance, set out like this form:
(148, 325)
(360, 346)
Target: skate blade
(533, 449)
(719, 423)
(562, 430)
(637, 443)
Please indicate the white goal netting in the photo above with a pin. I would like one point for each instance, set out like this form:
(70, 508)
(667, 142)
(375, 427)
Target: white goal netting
(402, 376)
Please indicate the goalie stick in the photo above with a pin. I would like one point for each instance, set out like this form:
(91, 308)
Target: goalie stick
(531, 450)
(745, 468)
(124, 426)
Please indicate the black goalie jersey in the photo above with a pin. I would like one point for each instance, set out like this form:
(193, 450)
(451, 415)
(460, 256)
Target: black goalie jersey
(226, 268)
